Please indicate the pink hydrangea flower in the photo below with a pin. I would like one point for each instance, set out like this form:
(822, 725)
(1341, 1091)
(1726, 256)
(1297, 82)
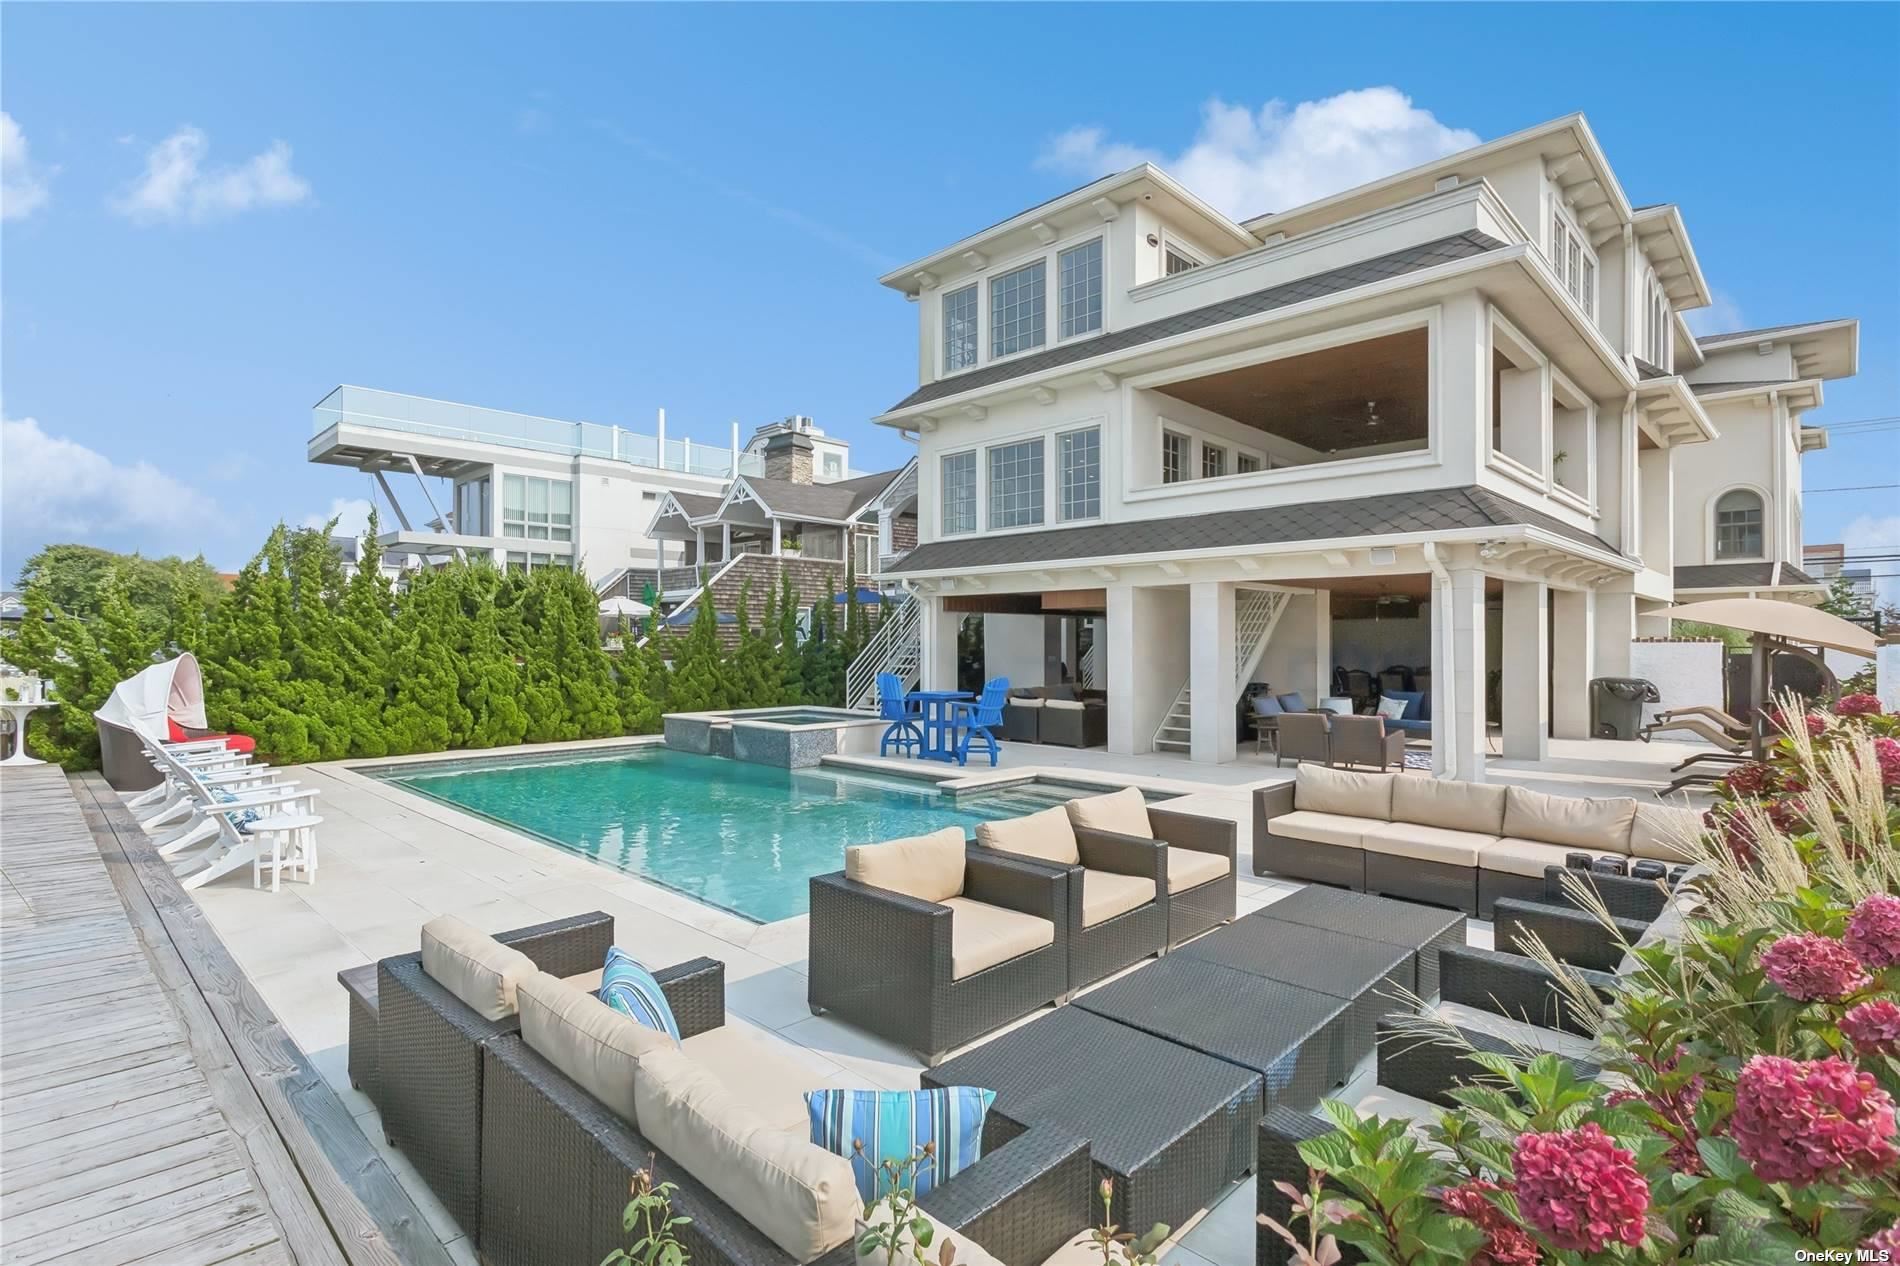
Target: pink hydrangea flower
(1814, 722)
(1873, 931)
(1812, 968)
(1804, 1121)
(1873, 1027)
(1580, 1189)
(1886, 1240)
(1505, 1243)
(1887, 756)
(1857, 706)
(1748, 780)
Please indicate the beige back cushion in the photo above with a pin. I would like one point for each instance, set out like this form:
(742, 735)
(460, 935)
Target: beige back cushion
(1124, 812)
(801, 1197)
(1450, 804)
(597, 1047)
(927, 867)
(1569, 820)
(1660, 829)
(1318, 789)
(473, 965)
(1045, 834)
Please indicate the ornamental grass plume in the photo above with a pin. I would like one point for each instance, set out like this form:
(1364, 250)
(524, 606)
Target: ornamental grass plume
(1805, 1121)
(1812, 968)
(1580, 1189)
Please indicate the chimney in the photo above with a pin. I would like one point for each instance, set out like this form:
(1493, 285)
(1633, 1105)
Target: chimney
(788, 456)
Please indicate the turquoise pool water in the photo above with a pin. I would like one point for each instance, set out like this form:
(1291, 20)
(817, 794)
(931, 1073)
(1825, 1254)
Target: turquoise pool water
(739, 836)
(803, 716)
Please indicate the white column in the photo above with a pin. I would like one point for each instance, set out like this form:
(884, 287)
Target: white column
(776, 540)
(1211, 671)
(699, 538)
(1458, 749)
(1573, 629)
(1616, 629)
(1322, 644)
(735, 450)
(725, 542)
(1526, 686)
(938, 633)
(1118, 655)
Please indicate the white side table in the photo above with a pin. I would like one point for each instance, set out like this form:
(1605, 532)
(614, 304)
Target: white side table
(293, 847)
(18, 712)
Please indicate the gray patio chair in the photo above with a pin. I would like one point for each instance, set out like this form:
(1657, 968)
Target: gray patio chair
(1364, 741)
(1305, 736)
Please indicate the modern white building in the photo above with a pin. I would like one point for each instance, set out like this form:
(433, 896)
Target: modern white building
(1826, 562)
(1447, 424)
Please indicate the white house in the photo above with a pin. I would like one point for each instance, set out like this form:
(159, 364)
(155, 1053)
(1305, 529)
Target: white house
(1444, 421)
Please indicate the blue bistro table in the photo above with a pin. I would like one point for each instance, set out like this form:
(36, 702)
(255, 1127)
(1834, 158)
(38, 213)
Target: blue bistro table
(939, 721)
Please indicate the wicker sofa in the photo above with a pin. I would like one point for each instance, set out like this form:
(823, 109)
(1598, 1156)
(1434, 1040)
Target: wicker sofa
(1449, 843)
(1065, 716)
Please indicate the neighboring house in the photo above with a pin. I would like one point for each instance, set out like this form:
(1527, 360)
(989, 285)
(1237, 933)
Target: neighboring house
(1825, 562)
(1441, 421)
(396, 563)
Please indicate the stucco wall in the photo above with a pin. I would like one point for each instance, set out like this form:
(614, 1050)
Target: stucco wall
(1686, 673)
(1012, 648)
(1887, 667)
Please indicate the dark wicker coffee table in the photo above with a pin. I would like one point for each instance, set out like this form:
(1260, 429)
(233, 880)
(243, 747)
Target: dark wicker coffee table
(1368, 974)
(1169, 1126)
(1424, 928)
(1294, 1038)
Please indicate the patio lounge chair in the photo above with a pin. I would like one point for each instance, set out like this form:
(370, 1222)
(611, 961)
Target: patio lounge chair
(1201, 864)
(1711, 732)
(1365, 741)
(1118, 887)
(929, 944)
(222, 808)
(1074, 722)
(982, 717)
(1735, 727)
(1022, 716)
(1304, 736)
(893, 705)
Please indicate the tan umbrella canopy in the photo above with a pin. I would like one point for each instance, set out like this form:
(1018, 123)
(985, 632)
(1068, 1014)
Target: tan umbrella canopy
(1789, 621)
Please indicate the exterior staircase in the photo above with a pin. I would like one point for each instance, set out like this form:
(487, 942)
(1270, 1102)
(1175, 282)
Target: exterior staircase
(1256, 612)
(896, 647)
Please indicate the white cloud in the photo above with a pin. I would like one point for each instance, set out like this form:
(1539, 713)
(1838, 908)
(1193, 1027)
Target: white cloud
(178, 185)
(1868, 534)
(1722, 316)
(351, 515)
(1249, 162)
(23, 188)
(57, 489)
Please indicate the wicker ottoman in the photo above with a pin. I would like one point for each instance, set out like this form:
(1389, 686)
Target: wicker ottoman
(360, 984)
(1425, 928)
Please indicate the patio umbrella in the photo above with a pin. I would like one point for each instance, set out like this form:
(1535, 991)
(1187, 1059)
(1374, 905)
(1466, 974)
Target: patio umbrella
(618, 605)
(865, 596)
(1772, 626)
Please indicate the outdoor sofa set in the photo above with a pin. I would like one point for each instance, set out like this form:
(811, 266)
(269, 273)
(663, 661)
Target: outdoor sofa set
(1063, 716)
(1457, 844)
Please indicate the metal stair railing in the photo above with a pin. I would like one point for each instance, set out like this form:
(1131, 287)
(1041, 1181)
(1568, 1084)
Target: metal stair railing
(896, 647)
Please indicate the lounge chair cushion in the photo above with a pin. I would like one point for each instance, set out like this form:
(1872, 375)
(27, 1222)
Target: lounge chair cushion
(927, 867)
(984, 935)
(1601, 826)
(1321, 828)
(1188, 868)
(1514, 856)
(1045, 835)
(1423, 843)
(801, 1197)
(1340, 791)
(1106, 894)
(969, 1252)
(1025, 703)
(1449, 803)
(1123, 812)
(758, 1070)
(1664, 929)
(1390, 1105)
(474, 966)
(1528, 1036)
(587, 981)
(1658, 829)
(597, 1047)
(1065, 705)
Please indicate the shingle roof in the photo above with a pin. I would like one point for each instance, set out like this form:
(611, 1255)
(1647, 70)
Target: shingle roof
(1646, 371)
(1739, 576)
(1438, 509)
(834, 502)
(1445, 250)
(696, 504)
(1766, 329)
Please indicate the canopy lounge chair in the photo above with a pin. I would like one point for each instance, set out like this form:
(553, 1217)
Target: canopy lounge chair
(161, 704)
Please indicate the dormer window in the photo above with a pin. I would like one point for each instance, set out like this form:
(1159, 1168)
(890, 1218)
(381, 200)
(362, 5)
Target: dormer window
(1572, 260)
(1018, 309)
(1176, 262)
(959, 329)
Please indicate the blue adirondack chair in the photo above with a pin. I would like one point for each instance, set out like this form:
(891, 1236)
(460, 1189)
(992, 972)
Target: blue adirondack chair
(980, 718)
(893, 705)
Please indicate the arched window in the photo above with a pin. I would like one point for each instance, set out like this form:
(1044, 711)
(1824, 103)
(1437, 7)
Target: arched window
(1738, 524)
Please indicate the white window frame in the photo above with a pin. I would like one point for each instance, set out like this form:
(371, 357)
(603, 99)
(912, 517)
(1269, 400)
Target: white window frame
(1571, 256)
(989, 305)
(1715, 525)
(1054, 307)
(1062, 487)
(1185, 467)
(976, 493)
(550, 530)
(944, 368)
(1041, 441)
(1170, 244)
(1213, 455)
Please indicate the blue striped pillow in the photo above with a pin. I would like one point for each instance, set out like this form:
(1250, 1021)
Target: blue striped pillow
(893, 1124)
(629, 988)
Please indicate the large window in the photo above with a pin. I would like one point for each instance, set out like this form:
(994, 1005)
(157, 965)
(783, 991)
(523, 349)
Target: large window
(959, 493)
(1213, 461)
(538, 509)
(1573, 261)
(471, 507)
(1079, 272)
(1079, 474)
(959, 329)
(1017, 309)
(1016, 484)
(1738, 525)
(1174, 456)
(1246, 464)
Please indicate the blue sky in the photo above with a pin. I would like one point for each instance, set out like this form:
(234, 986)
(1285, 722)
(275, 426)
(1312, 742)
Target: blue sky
(215, 213)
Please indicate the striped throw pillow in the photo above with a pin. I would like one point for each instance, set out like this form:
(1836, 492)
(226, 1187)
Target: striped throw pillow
(893, 1124)
(630, 988)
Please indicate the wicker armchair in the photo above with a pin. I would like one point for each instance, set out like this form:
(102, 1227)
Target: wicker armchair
(883, 960)
(1204, 906)
(1365, 741)
(557, 1164)
(429, 1060)
(1079, 723)
(1514, 986)
(1432, 1070)
(1108, 945)
(1304, 736)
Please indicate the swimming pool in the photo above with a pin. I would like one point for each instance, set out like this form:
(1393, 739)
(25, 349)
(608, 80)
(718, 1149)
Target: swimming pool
(739, 836)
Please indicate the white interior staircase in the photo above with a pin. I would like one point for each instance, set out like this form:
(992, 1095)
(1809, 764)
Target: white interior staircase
(1256, 612)
(896, 647)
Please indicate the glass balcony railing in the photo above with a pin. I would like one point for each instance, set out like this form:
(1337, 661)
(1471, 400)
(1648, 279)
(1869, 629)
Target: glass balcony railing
(442, 419)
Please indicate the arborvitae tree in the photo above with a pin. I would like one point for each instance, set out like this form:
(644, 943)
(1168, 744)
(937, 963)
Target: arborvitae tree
(249, 683)
(821, 663)
(790, 659)
(490, 686)
(61, 650)
(852, 633)
(581, 661)
(542, 695)
(699, 678)
(427, 711)
(367, 635)
(754, 669)
(185, 620)
(644, 683)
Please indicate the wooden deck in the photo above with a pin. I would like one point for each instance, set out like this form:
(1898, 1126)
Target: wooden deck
(151, 1109)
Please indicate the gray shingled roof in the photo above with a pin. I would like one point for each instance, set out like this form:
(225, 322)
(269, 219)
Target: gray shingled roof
(696, 504)
(1739, 576)
(1445, 250)
(1765, 330)
(833, 502)
(1646, 371)
(1438, 509)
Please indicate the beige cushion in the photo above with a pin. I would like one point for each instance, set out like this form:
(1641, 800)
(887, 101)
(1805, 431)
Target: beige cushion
(1025, 703)
(1065, 705)
(1390, 1105)
(1426, 843)
(1513, 856)
(474, 966)
(1601, 825)
(1080, 1251)
(1189, 868)
(969, 1252)
(759, 1071)
(587, 981)
(1045, 834)
(982, 935)
(927, 867)
(801, 1197)
(1123, 812)
(1341, 791)
(1527, 1037)
(598, 1047)
(1659, 829)
(1106, 894)
(1449, 803)
(1320, 828)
